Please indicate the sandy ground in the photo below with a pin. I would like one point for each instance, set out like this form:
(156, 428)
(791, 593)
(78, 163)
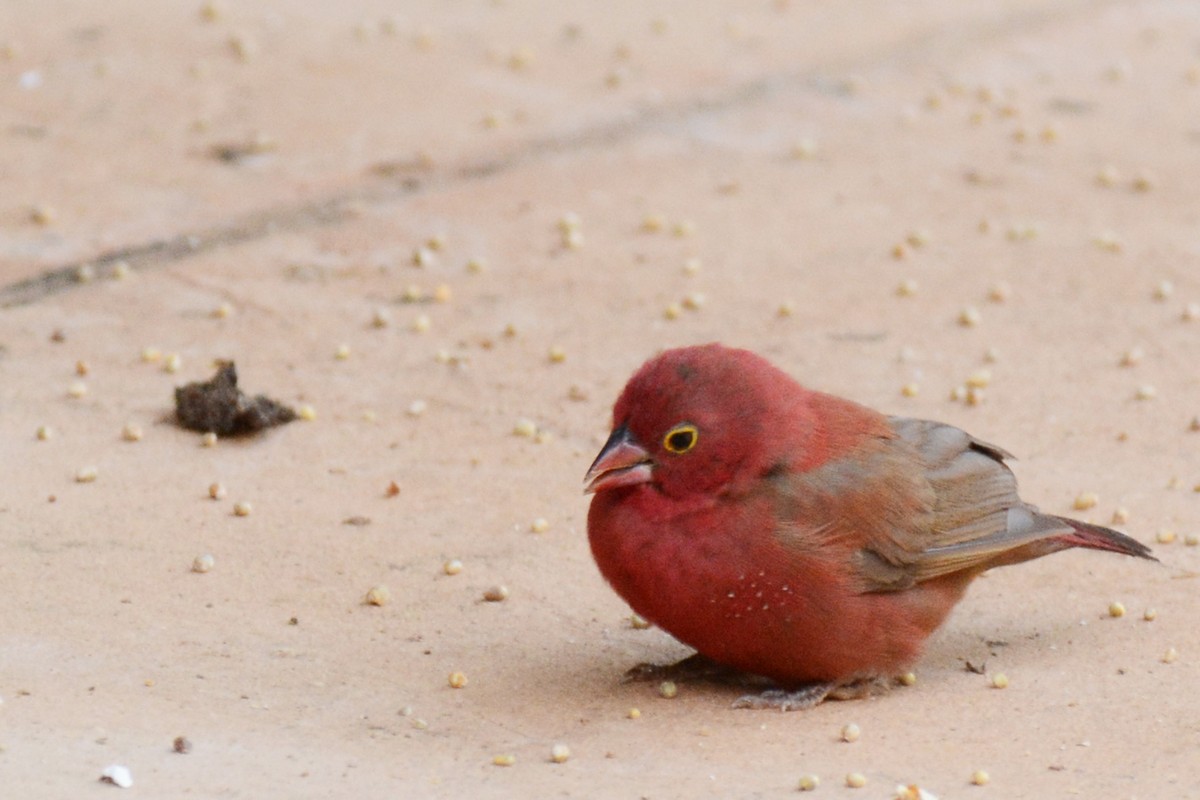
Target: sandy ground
(264, 175)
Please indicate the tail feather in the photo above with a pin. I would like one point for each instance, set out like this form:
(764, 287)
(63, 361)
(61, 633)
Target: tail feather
(1095, 537)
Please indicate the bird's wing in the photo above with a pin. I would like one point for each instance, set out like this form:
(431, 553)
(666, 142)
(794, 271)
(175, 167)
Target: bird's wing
(930, 501)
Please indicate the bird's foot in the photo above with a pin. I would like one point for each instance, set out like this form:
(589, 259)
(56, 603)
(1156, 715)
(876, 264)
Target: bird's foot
(695, 667)
(809, 695)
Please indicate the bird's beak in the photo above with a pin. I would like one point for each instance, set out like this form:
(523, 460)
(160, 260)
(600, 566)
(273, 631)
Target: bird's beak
(622, 462)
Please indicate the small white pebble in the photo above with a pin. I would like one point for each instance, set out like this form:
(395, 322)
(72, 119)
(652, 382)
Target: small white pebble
(378, 596)
(77, 389)
(851, 733)
(117, 775)
(203, 563)
(417, 407)
(559, 753)
(86, 474)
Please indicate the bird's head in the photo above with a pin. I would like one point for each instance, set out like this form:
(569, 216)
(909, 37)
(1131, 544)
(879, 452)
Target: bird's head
(695, 420)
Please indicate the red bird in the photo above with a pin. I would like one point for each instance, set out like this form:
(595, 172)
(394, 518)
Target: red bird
(798, 536)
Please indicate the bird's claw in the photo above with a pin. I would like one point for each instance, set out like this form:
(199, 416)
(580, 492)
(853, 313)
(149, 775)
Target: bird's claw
(787, 699)
(694, 667)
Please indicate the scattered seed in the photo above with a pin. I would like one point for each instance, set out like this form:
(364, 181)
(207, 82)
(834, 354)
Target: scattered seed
(851, 733)
(1116, 609)
(379, 596)
(999, 681)
(634, 713)
(979, 379)
(44, 433)
(900, 251)
(526, 428)
(81, 368)
(1192, 539)
(342, 352)
(496, 594)
(506, 760)
(668, 689)
(918, 238)
(306, 412)
(1146, 392)
(132, 433)
(452, 567)
(808, 783)
(1132, 357)
(958, 394)
(172, 362)
(223, 311)
(559, 753)
(856, 780)
(203, 563)
(1120, 515)
(1194, 425)
(457, 680)
(909, 679)
(208, 439)
(421, 324)
(442, 293)
(1108, 241)
(653, 223)
(151, 354)
(43, 215)
(786, 309)
(1165, 536)
(691, 266)
(672, 311)
(1108, 176)
(77, 389)
(694, 301)
(1150, 614)
(1142, 182)
(540, 525)
(969, 317)
(242, 508)
(907, 288)
(1171, 656)
(182, 745)
(975, 396)
(1085, 501)
(557, 354)
(86, 474)
(910, 390)
(638, 622)
(392, 489)
(1164, 290)
(999, 292)
(804, 149)
(417, 407)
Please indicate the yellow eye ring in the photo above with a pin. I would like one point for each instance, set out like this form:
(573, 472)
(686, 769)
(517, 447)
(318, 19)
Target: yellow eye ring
(681, 438)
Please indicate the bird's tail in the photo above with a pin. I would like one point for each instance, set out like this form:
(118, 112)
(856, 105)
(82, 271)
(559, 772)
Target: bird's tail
(1095, 537)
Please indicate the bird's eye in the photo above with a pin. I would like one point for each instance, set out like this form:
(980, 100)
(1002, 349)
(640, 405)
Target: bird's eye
(681, 438)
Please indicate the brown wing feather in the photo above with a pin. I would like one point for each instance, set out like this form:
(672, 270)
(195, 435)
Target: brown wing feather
(930, 501)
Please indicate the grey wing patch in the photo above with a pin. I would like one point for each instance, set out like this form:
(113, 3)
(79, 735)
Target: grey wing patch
(977, 515)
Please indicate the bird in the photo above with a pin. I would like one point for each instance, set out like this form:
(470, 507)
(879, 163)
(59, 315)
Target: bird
(803, 544)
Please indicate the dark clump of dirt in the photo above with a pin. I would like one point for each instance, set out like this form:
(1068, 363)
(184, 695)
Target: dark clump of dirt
(219, 407)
